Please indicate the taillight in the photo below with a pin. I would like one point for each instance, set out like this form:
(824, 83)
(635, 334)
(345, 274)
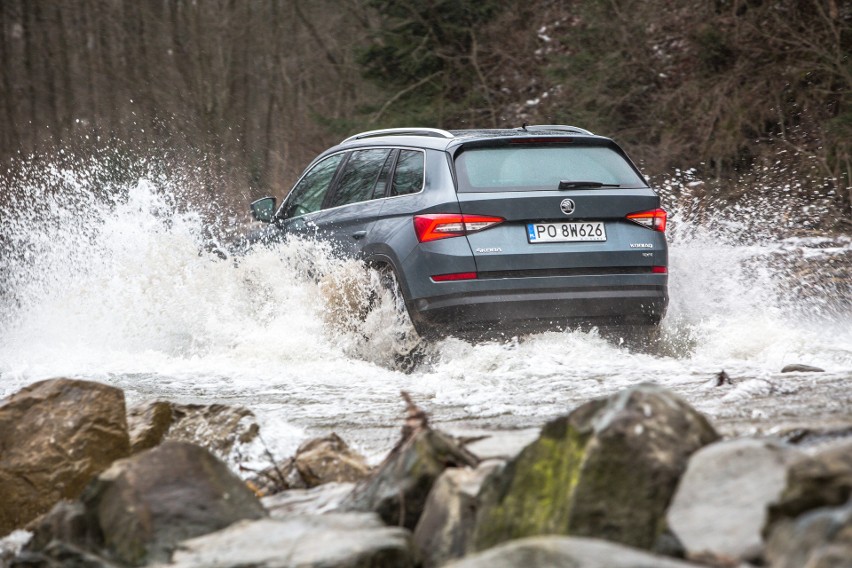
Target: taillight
(444, 225)
(659, 270)
(454, 276)
(653, 219)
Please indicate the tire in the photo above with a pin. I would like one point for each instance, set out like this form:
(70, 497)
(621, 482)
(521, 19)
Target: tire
(409, 344)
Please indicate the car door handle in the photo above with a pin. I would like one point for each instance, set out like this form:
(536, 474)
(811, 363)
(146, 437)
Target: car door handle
(359, 235)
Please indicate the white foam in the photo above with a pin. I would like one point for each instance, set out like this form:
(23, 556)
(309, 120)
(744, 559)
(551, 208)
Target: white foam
(122, 289)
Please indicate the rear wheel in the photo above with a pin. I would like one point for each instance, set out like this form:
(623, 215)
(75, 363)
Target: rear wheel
(407, 343)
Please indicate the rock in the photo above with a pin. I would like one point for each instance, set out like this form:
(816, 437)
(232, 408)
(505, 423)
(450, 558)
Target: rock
(353, 540)
(821, 480)
(321, 460)
(222, 429)
(821, 538)
(798, 368)
(607, 470)
(11, 545)
(446, 525)
(60, 554)
(55, 436)
(397, 491)
(720, 504)
(228, 431)
(812, 436)
(148, 424)
(329, 459)
(501, 445)
(573, 552)
(321, 499)
(145, 504)
(67, 522)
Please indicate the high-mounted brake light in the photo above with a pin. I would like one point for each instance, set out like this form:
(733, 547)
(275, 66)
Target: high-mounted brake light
(653, 219)
(444, 225)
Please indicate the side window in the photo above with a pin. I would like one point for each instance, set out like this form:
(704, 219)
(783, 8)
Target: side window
(408, 176)
(359, 176)
(309, 193)
(384, 176)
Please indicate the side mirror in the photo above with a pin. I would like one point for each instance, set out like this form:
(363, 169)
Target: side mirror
(263, 209)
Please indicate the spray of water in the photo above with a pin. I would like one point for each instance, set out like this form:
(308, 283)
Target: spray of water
(124, 284)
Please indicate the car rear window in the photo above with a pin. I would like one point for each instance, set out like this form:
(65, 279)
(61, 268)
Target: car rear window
(529, 168)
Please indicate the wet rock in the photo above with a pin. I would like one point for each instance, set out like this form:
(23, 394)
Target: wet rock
(230, 432)
(67, 522)
(321, 460)
(398, 489)
(353, 540)
(549, 551)
(11, 545)
(821, 538)
(317, 500)
(607, 470)
(55, 436)
(720, 504)
(813, 436)
(224, 430)
(446, 525)
(145, 504)
(59, 554)
(799, 368)
(821, 480)
(148, 424)
(329, 459)
(501, 445)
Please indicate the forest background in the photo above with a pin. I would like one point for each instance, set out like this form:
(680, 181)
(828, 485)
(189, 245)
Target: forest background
(730, 97)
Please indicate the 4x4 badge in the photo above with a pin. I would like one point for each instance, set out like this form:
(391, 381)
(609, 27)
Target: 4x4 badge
(567, 206)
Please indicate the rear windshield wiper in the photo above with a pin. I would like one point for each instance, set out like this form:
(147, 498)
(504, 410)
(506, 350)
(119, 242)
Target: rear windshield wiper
(585, 184)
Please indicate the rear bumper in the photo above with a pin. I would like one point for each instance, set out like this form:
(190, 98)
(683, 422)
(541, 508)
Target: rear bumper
(534, 304)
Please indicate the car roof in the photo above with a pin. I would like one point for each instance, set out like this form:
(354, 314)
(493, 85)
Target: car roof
(446, 139)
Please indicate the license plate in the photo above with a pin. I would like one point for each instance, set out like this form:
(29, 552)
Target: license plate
(566, 232)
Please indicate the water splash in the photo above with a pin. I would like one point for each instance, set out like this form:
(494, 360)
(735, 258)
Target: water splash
(122, 283)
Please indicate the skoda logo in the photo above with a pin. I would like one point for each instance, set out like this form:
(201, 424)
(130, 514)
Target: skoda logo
(567, 206)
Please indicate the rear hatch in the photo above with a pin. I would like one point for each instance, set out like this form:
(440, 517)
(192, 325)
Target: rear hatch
(564, 202)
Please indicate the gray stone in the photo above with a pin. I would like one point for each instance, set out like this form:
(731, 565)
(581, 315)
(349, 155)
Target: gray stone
(446, 526)
(351, 540)
(720, 504)
(145, 504)
(799, 368)
(55, 436)
(501, 445)
(398, 489)
(821, 480)
(569, 552)
(821, 538)
(317, 500)
(607, 470)
(224, 430)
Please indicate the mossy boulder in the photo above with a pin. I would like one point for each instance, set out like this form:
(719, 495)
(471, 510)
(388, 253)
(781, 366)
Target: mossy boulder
(607, 470)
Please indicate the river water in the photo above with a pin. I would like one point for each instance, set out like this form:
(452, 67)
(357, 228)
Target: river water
(124, 290)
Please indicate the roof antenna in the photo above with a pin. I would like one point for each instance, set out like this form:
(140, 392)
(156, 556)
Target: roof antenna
(524, 127)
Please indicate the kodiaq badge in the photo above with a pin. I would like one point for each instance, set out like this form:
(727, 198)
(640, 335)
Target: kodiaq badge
(567, 206)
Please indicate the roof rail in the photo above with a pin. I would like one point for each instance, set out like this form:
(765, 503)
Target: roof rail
(557, 127)
(432, 132)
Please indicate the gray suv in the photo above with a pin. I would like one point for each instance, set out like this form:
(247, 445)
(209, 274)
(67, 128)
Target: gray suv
(510, 230)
